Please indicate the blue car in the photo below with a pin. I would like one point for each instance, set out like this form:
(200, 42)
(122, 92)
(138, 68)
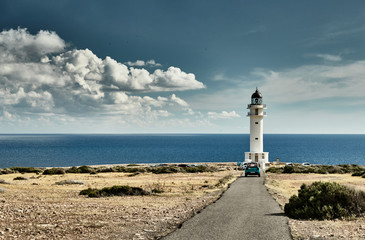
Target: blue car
(252, 169)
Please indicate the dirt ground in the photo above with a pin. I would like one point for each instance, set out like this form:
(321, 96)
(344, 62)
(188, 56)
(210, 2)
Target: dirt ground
(37, 208)
(283, 186)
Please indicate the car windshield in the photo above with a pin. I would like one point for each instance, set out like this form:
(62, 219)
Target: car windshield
(252, 165)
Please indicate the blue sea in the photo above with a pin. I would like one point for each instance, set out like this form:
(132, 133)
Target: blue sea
(75, 150)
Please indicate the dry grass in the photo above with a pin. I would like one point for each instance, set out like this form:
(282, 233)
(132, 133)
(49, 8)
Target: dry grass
(283, 186)
(38, 208)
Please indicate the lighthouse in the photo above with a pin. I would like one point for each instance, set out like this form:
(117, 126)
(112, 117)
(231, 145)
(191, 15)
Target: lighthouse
(257, 114)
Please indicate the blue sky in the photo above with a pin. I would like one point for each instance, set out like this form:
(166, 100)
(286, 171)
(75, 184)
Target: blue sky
(181, 66)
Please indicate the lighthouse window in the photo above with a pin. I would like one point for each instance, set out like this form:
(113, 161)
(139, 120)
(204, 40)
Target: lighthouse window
(256, 138)
(256, 122)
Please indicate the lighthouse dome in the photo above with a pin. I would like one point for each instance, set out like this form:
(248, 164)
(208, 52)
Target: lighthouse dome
(256, 94)
(256, 98)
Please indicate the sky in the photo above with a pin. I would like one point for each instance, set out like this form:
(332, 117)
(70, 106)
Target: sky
(181, 66)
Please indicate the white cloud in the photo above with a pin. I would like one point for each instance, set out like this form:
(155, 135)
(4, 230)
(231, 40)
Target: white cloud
(173, 80)
(153, 63)
(179, 101)
(138, 63)
(141, 63)
(18, 45)
(39, 76)
(328, 57)
(313, 82)
(223, 115)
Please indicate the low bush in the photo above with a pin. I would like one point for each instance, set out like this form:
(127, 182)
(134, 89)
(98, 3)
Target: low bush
(6, 171)
(82, 169)
(289, 169)
(20, 178)
(156, 190)
(69, 182)
(114, 191)
(275, 170)
(164, 169)
(105, 170)
(54, 171)
(325, 200)
(319, 169)
(26, 169)
(200, 168)
(132, 165)
(358, 173)
(2, 190)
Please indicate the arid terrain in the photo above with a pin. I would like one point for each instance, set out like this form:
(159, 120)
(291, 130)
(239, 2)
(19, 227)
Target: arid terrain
(282, 186)
(38, 208)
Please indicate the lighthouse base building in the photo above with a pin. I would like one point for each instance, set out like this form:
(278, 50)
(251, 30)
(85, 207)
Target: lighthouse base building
(257, 114)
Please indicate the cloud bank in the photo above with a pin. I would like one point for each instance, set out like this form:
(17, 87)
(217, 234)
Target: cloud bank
(40, 77)
(314, 82)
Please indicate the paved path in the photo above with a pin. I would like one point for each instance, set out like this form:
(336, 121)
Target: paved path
(245, 211)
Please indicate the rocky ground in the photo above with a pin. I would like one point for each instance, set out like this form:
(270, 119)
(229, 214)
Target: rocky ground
(37, 208)
(282, 186)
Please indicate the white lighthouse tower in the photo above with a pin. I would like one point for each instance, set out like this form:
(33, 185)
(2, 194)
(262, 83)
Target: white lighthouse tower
(257, 115)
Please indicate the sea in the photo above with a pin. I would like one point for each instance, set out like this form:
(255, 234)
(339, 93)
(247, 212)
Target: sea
(63, 150)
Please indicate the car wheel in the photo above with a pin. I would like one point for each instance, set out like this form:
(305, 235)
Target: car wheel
(258, 174)
(245, 174)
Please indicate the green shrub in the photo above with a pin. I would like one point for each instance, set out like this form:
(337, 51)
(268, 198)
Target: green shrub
(132, 165)
(320, 169)
(54, 171)
(20, 178)
(200, 168)
(70, 182)
(82, 169)
(6, 171)
(325, 200)
(358, 173)
(288, 169)
(275, 170)
(104, 170)
(164, 169)
(26, 169)
(157, 190)
(114, 191)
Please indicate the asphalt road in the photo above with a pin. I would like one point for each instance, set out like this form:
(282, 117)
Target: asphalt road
(245, 211)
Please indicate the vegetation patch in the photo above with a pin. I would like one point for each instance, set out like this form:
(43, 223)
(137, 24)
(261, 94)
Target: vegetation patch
(20, 178)
(6, 171)
(114, 191)
(54, 171)
(26, 170)
(224, 180)
(326, 201)
(319, 169)
(69, 182)
(2, 190)
(163, 169)
(82, 169)
(132, 165)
